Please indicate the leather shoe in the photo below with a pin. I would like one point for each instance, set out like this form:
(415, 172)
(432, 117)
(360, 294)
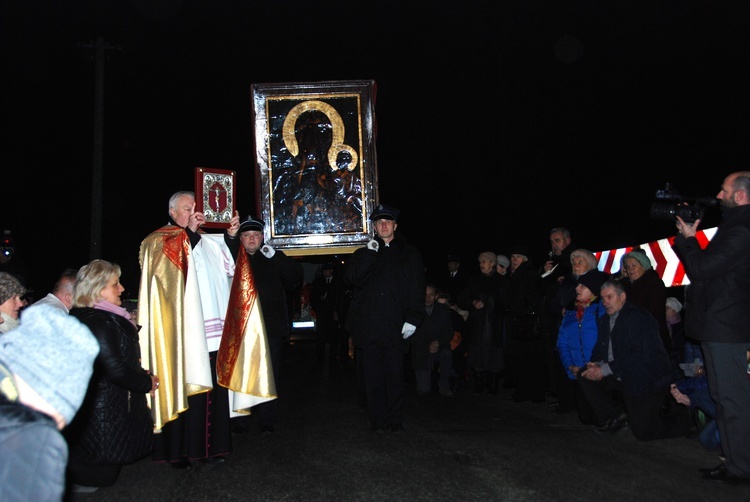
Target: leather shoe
(712, 470)
(724, 476)
(613, 425)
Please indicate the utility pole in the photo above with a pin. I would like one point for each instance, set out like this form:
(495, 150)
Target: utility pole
(100, 47)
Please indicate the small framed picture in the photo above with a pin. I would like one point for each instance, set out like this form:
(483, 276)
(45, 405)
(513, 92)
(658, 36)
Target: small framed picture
(316, 173)
(215, 195)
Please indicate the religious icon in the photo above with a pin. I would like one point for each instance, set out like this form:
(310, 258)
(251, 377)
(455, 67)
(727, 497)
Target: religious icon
(315, 157)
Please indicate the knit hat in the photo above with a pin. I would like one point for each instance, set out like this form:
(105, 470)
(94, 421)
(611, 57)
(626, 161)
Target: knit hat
(674, 304)
(53, 353)
(503, 260)
(593, 279)
(639, 255)
(9, 287)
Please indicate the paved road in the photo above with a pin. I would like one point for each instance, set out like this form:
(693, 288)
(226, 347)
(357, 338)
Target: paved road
(468, 448)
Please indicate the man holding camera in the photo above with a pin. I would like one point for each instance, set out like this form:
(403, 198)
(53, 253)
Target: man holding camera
(717, 315)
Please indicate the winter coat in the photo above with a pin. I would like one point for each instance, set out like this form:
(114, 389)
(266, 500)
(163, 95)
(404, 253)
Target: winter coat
(576, 340)
(113, 425)
(649, 292)
(436, 326)
(523, 300)
(389, 289)
(640, 360)
(484, 327)
(717, 302)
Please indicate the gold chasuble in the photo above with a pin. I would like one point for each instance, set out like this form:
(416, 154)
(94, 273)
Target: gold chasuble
(172, 335)
(243, 363)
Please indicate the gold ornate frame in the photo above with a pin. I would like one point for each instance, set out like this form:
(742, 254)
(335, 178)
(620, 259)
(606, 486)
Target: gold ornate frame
(215, 195)
(316, 173)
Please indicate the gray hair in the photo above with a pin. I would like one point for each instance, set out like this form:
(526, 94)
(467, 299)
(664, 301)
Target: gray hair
(617, 285)
(587, 255)
(176, 196)
(564, 231)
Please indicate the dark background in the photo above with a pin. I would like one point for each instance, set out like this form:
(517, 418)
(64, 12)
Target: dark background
(496, 120)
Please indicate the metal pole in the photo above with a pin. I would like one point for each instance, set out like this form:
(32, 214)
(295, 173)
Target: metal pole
(98, 160)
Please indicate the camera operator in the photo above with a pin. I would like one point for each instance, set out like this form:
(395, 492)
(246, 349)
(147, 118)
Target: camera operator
(718, 316)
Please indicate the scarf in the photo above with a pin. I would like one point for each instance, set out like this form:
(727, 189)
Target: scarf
(581, 307)
(115, 309)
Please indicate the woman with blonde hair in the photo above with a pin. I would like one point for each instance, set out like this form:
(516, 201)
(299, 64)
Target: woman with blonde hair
(113, 426)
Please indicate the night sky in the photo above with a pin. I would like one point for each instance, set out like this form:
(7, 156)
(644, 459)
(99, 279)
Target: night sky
(496, 120)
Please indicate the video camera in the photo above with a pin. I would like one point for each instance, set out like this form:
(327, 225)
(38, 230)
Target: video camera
(687, 208)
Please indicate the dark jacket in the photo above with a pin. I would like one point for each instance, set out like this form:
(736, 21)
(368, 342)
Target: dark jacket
(275, 278)
(640, 360)
(484, 327)
(389, 289)
(522, 299)
(717, 302)
(324, 297)
(436, 326)
(113, 425)
(649, 292)
(551, 312)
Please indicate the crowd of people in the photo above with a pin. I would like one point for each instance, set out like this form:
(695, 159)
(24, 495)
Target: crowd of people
(176, 378)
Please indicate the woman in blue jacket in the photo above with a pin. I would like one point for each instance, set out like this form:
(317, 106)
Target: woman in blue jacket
(578, 333)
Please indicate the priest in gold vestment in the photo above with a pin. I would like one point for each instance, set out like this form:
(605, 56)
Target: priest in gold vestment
(183, 298)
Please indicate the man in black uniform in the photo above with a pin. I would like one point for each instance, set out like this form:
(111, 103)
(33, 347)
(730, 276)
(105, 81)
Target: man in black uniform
(388, 305)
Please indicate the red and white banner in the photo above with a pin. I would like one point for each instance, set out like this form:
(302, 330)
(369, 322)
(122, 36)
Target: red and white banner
(663, 259)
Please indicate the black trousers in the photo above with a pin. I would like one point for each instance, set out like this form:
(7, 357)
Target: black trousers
(644, 412)
(383, 378)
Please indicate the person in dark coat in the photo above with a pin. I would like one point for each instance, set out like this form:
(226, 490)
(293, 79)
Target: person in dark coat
(114, 425)
(454, 279)
(645, 288)
(553, 274)
(526, 350)
(431, 344)
(629, 360)
(324, 300)
(276, 275)
(718, 315)
(388, 278)
(482, 298)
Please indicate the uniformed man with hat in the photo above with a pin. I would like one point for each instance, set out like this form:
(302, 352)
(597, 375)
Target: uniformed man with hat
(388, 304)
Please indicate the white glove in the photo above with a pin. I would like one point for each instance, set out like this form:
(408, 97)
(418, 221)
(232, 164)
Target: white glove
(408, 330)
(373, 244)
(267, 251)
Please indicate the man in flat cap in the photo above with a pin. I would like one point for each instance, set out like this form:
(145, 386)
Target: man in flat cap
(388, 304)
